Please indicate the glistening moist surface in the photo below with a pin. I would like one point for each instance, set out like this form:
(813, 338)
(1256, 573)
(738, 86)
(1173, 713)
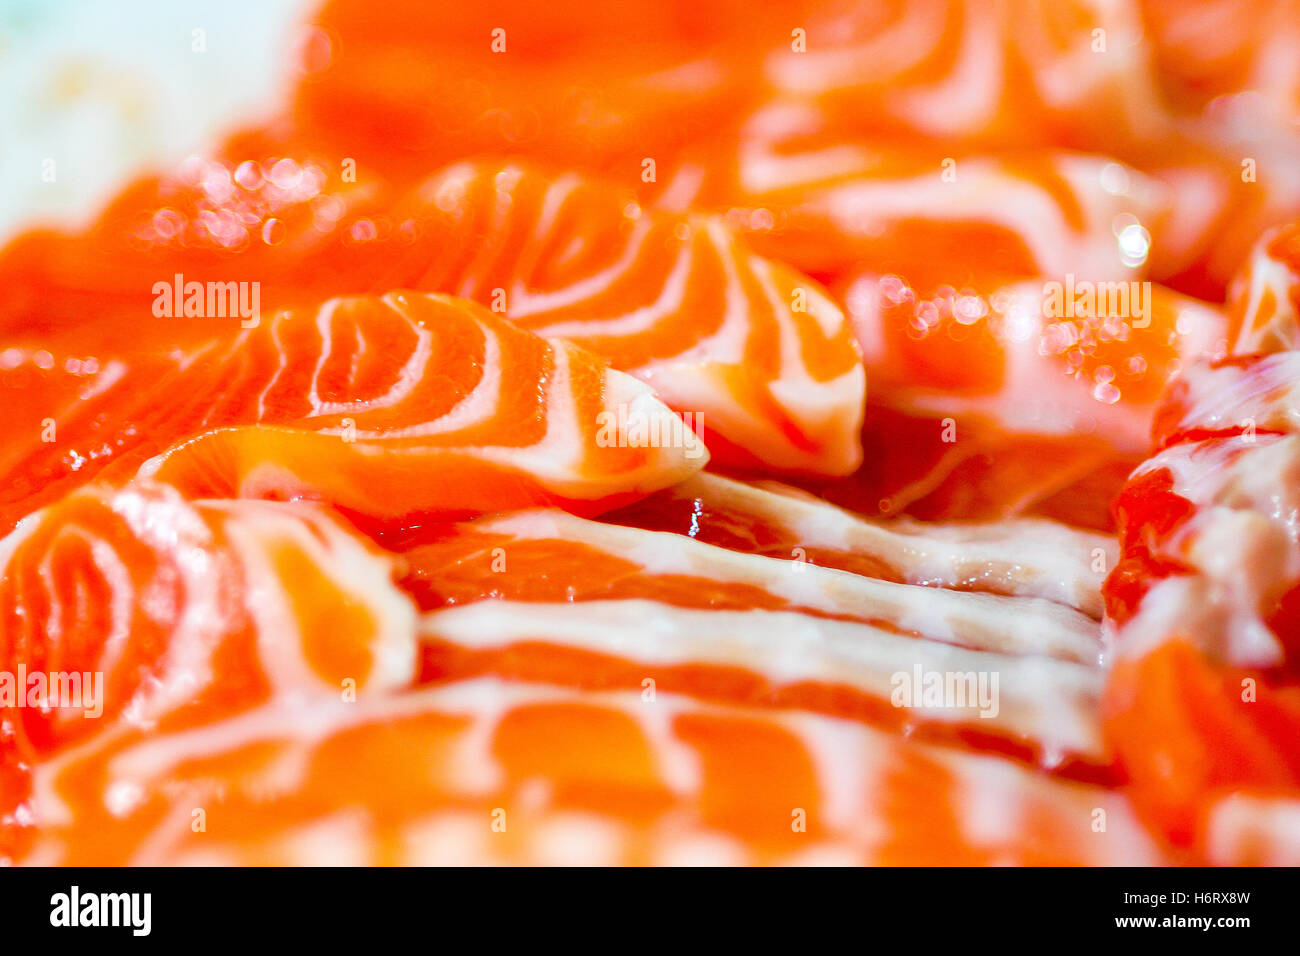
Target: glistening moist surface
(372, 579)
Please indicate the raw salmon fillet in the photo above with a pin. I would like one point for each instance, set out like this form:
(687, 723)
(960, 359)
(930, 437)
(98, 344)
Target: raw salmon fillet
(1202, 703)
(468, 412)
(473, 462)
(486, 772)
(157, 614)
(753, 351)
(724, 626)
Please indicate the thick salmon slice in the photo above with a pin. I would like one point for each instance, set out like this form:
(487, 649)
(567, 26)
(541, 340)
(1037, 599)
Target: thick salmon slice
(1027, 557)
(1035, 399)
(482, 771)
(1203, 704)
(835, 204)
(175, 611)
(1039, 709)
(137, 612)
(724, 626)
(391, 406)
(754, 350)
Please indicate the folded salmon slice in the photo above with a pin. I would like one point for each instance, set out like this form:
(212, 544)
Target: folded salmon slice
(754, 351)
(1035, 399)
(469, 412)
(489, 772)
(137, 612)
(1203, 704)
(187, 610)
(833, 203)
(594, 604)
(1027, 557)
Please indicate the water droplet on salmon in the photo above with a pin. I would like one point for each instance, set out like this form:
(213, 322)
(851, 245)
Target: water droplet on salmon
(1106, 392)
(273, 232)
(249, 175)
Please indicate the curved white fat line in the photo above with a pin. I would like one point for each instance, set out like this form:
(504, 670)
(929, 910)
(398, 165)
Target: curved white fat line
(828, 316)
(964, 99)
(408, 378)
(349, 566)
(638, 320)
(559, 459)
(557, 194)
(762, 166)
(982, 192)
(699, 387)
(527, 302)
(473, 409)
(827, 412)
(176, 530)
(501, 184)
(122, 596)
(282, 356)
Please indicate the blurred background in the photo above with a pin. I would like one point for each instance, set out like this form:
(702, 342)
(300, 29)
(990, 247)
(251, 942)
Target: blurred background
(108, 90)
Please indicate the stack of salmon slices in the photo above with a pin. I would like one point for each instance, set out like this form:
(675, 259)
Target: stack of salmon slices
(476, 464)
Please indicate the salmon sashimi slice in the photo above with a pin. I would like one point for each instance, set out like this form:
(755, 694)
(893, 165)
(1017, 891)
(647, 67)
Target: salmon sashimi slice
(175, 611)
(483, 771)
(833, 204)
(1039, 709)
(1203, 702)
(1053, 357)
(415, 86)
(1035, 399)
(1026, 557)
(754, 349)
(469, 412)
(136, 612)
(968, 71)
